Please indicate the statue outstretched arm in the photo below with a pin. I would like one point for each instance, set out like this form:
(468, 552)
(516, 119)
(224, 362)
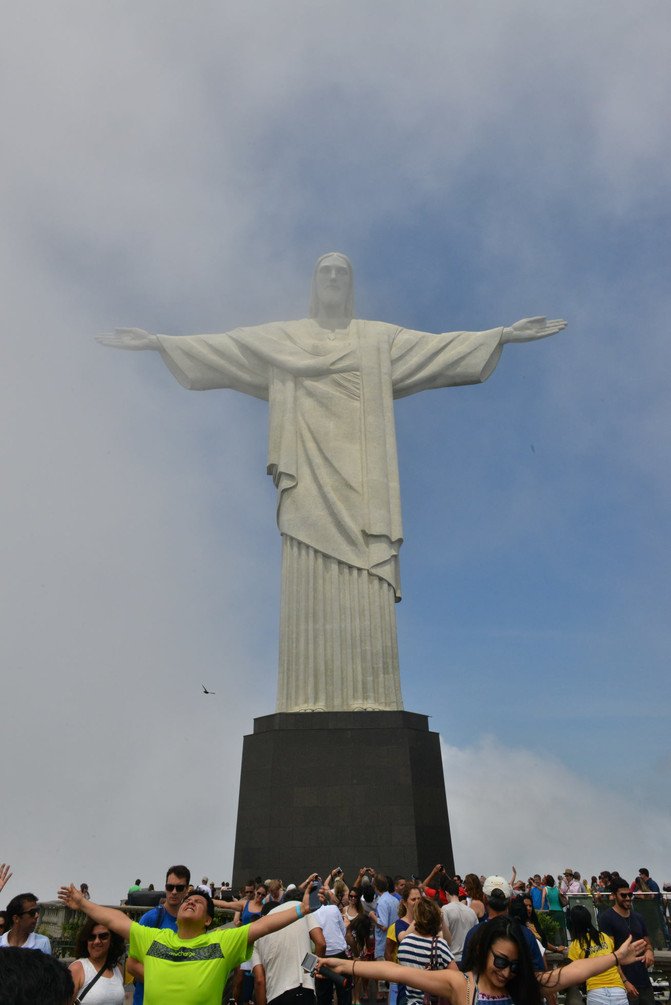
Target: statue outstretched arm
(530, 329)
(129, 338)
(204, 362)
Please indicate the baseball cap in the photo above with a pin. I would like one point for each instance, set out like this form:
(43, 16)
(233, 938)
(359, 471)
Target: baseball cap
(499, 884)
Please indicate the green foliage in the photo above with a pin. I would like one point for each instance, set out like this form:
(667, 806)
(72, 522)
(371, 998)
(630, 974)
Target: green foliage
(64, 944)
(549, 927)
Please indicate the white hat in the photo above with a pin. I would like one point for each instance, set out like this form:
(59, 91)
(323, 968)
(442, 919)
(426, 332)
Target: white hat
(493, 883)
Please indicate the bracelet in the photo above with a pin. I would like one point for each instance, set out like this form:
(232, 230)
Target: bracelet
(298, 911)
(353, 966)
(617, 962)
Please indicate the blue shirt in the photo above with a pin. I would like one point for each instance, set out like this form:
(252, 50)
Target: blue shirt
(386, 910)
(537, 897)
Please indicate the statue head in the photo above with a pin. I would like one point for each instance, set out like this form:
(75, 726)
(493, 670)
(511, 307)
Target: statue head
(333, 287)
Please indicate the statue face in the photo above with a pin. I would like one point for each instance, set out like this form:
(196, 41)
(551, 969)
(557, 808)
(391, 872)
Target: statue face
(333, 283)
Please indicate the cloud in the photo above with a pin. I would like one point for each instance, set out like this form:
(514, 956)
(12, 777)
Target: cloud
(510, 806)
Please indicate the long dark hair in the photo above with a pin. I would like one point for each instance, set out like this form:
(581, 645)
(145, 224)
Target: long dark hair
(117, 946)
(360, 930)
(524, 918)
(522, 987)
(581, 927)
(473, 887)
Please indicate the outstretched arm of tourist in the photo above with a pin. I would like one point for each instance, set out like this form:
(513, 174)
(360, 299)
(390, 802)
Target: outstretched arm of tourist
(229, 905)
(278, 919)
(446, 983)
(5, 875)
(128, 338)
(530, 329)
(115, 920)
(581, 970)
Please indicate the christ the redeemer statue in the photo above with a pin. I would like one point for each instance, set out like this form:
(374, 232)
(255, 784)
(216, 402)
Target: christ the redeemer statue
(331, 381)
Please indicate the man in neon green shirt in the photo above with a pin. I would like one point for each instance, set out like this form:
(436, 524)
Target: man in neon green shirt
(190, 966)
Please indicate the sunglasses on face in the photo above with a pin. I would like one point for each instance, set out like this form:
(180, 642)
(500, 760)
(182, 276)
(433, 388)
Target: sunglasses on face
(32, 911)
(627, 895)
(102, 936)
(501, 962)
(176, 887)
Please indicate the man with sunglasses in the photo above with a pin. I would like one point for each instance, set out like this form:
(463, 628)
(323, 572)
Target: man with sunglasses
(619, 921)
(177, 881)
(23, 913)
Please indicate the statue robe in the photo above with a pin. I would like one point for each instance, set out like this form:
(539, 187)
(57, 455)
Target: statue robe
(332, 455)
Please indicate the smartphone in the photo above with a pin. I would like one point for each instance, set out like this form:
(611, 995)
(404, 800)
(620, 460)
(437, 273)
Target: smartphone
(309, 963)
(315, 902)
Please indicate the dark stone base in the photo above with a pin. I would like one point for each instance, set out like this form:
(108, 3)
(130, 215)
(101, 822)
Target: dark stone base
(349, 789)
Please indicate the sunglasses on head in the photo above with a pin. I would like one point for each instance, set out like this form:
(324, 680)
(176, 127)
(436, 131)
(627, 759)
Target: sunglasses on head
(501, 962)
(177, 887)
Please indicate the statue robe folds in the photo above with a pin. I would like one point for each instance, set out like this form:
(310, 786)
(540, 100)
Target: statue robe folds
(332, 455)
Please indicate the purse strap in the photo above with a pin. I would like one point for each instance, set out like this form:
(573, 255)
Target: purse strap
(470, 1001)
(82, 994)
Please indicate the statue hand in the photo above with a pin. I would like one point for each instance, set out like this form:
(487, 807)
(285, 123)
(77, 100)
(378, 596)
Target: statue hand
(530, 329)
(128, 338)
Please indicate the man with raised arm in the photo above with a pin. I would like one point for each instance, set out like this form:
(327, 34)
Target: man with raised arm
(331, 381)
(189, 966)
(177, 880)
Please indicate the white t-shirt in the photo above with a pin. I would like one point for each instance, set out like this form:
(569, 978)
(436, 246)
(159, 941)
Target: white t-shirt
(331, 922)
(281, 954)
(106, 990)
(460, 920)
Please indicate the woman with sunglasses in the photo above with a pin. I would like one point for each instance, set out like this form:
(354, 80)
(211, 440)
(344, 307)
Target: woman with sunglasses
(252, 910)
(498, 970)
(99, 952)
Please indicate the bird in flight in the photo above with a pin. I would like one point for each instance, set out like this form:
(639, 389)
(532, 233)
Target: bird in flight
(206, 691)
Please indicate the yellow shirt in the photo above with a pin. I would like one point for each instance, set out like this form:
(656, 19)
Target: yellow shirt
(609, 978)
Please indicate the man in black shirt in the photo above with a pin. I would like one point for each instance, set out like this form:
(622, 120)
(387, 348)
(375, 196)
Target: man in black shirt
(619, 921)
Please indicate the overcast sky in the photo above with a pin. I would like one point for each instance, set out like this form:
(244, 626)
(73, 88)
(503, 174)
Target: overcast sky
(179, 168)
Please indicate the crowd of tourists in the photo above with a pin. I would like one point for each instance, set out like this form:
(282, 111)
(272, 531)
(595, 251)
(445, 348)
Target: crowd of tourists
(472, 941)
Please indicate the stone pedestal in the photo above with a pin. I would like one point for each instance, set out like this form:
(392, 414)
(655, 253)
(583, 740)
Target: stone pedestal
(350, 789)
